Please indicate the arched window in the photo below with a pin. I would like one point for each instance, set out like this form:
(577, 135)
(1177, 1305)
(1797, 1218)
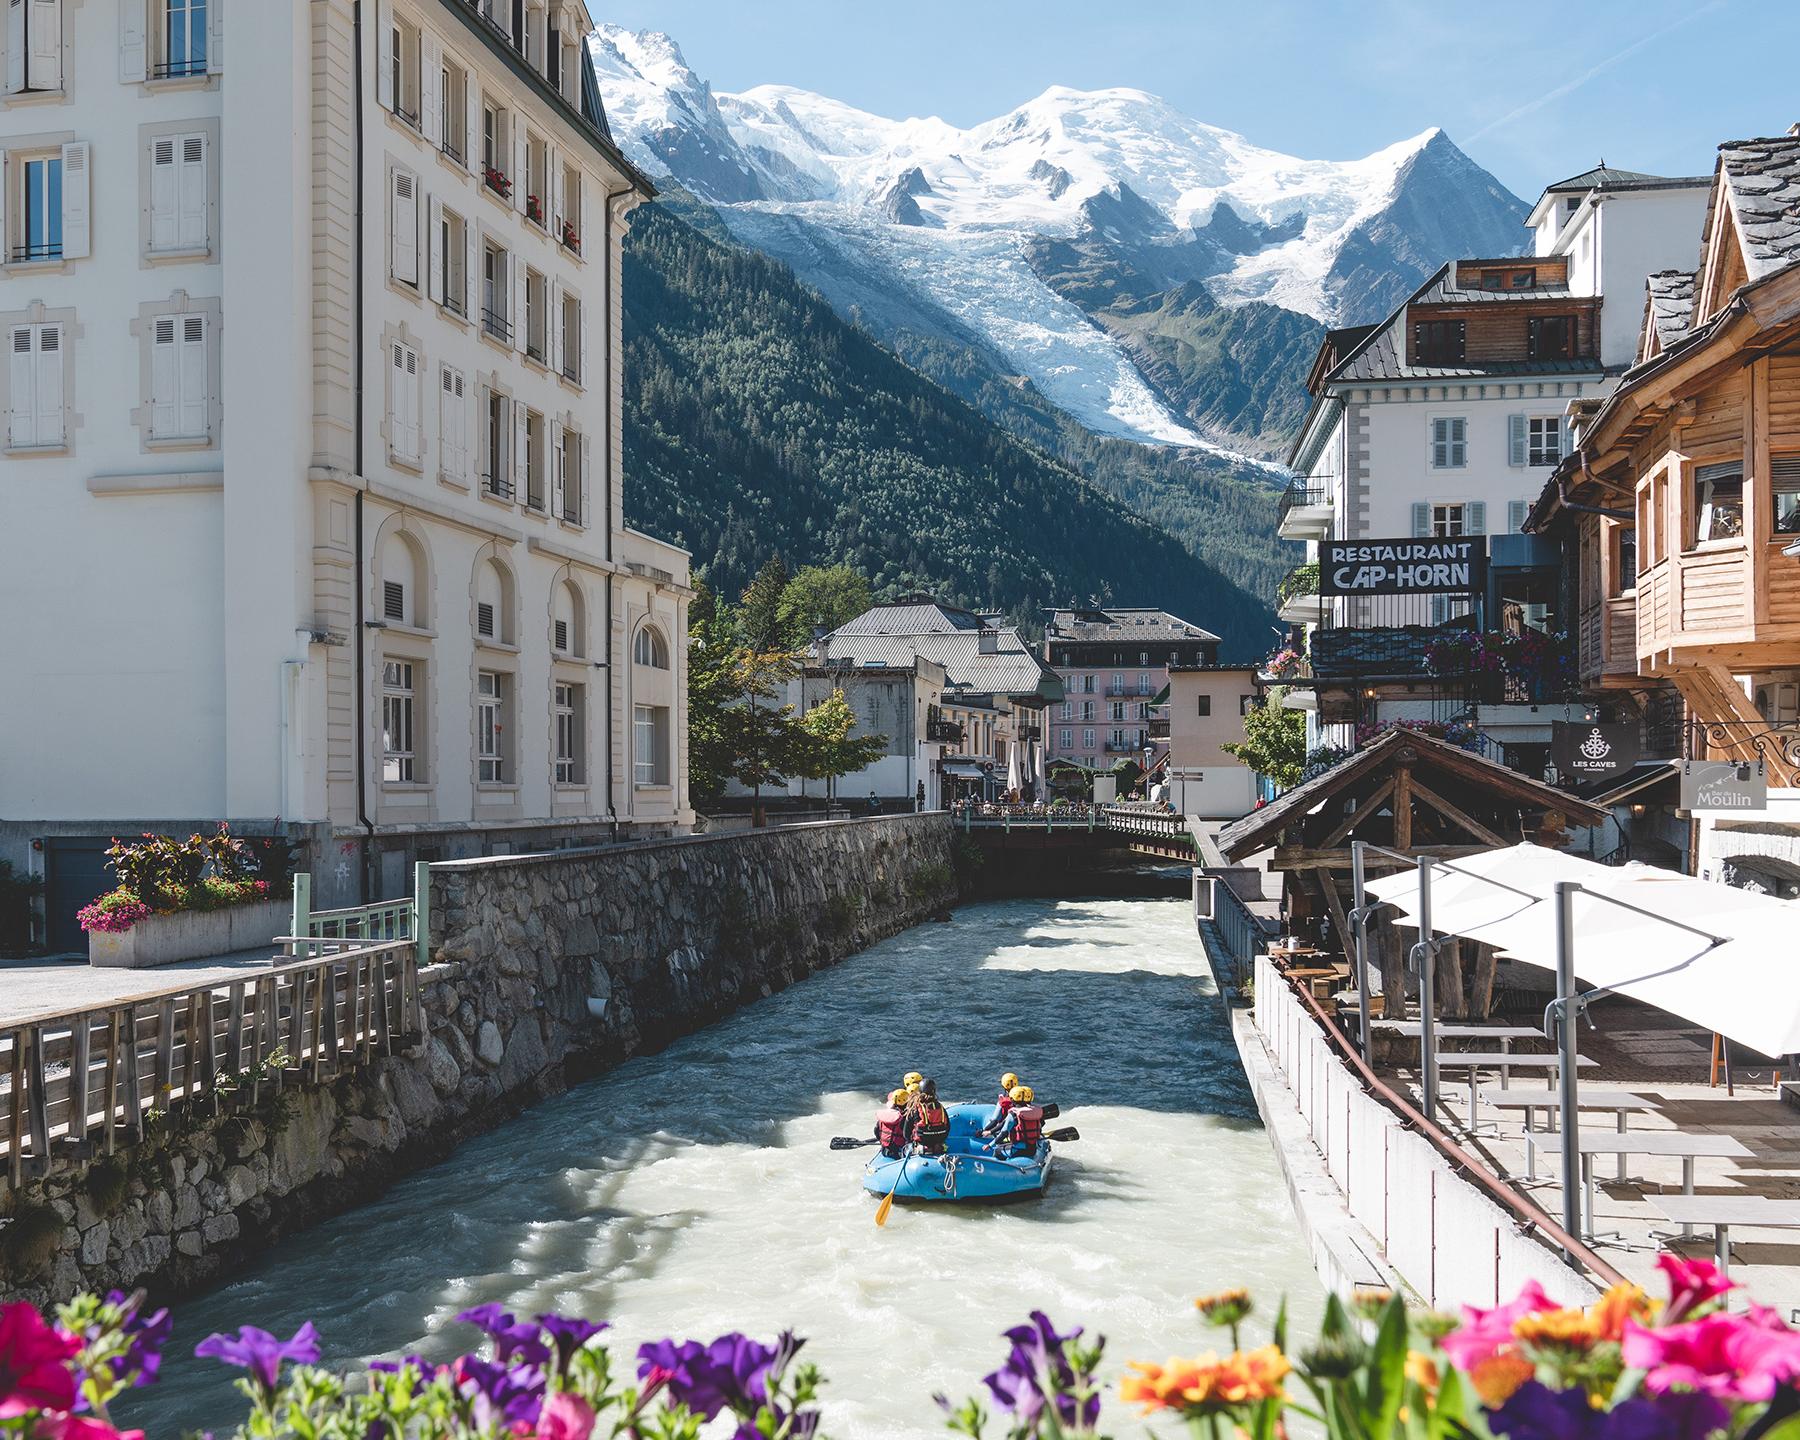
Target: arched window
(493, 604)
(650, 648)
(567, 631)
(401, 597)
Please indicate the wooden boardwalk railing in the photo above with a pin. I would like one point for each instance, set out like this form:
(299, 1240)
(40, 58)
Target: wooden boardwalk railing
(81, 1080)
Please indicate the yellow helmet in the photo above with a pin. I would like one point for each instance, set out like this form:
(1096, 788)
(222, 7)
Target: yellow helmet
(913, 1079)
(1007, 1081)
(1021, 1094)
(899, 1097)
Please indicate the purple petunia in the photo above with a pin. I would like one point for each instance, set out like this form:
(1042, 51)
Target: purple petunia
(1037, 1373)
(511, 1394)
(261, 1353)
(731, 1373)
(1536, 1412)
(147, 1334)
(567, 1334)
(514, 1339)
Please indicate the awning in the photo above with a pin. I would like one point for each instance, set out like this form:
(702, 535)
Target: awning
(963, 770)
(1616, 789)
(1722, 958)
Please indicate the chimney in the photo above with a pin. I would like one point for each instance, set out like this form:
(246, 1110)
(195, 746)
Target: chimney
(988, 643)
(1794, 130)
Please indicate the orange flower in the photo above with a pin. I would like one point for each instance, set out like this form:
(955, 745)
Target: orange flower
(1207, 1382)
(1558, 1329)
(1228, 1307)
(1497, 1377)
(1621, 1303)
(1422, 1370)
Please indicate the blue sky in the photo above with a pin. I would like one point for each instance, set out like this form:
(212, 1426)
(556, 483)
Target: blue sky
(1534, 92)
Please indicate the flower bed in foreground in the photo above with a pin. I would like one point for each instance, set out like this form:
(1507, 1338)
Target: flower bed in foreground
(1626, 1368)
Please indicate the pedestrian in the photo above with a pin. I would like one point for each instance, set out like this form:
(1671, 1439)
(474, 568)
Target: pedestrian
(919, 799)
(874, 803)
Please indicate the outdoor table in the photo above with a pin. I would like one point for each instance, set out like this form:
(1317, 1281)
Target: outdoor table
(1505, 1034)
(1687, 1147)
(1531, 1101)
(1501, 1060)
(1723, 1211)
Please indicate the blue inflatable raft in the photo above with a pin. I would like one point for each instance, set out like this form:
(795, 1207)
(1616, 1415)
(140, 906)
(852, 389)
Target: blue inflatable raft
(967, 1171)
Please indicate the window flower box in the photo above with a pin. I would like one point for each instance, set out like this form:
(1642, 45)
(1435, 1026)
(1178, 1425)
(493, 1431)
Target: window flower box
(496, 181)
(189, 935)
(570, 240)
(534, 209)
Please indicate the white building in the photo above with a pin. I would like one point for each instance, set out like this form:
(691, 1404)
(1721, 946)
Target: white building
(313, 478)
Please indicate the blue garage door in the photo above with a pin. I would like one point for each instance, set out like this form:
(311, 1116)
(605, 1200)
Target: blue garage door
(75, 871)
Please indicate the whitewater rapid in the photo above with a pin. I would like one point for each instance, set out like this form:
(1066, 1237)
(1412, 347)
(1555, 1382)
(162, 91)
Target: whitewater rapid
(693, 1191)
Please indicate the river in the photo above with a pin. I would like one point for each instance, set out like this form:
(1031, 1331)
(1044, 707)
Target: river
(693, 1191)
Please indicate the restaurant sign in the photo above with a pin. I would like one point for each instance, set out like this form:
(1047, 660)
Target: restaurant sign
(1723, 786)
(1592, 752)
(1446, 565)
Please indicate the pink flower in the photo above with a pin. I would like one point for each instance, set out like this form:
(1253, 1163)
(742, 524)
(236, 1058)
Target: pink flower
(565, 1417)
(34, 1370)
(80, 1427)
(1731, 1357)
(1691, 1284)
(1485, 1333)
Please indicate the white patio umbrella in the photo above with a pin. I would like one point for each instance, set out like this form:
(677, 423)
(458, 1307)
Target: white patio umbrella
(1013, 779)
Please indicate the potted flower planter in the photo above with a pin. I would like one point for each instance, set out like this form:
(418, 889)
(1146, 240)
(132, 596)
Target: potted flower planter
(190, 935)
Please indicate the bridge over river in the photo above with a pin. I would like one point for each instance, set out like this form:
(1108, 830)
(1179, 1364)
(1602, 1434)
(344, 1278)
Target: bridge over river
(693, 1191)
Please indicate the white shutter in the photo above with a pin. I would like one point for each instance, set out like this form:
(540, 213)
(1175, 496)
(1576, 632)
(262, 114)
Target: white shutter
(556, 468)
(49, 388)
(165, 191)
(75, 203)
(43, 68)
(215, 35)
(520, 469)
(405, 227)
(515, 313)
(472, 125)
(1421, 518)
(397, 399)
(1515, 439)
(581, 329)
(553, 202)
(471, 272)
(1515, 516)
(1475, 518)
(15, 51)
(384, 64)
(165, 378)
(192, 416)
(191, 226)
(131, 41)
(553, 327)
(21, 422)
(431, 94)
(517, 173)
(453, 451)
(415, 420)
(434, 251)
(585, 467)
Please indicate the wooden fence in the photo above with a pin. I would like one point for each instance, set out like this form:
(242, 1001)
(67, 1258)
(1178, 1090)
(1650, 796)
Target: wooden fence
(78, 1081)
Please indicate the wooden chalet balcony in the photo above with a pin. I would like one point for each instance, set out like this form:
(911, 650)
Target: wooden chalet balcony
(1608, 641)
(1738, 604)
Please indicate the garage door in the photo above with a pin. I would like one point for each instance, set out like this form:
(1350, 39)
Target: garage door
(75, 871)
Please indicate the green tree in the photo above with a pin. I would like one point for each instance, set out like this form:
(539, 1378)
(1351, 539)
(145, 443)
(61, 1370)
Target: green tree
(759, 732)
(825, 748)
(1274, 742)
(760, 618)
(821, 597)
(713, 650)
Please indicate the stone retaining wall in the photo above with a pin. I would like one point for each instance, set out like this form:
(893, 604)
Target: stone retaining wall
(548, 968)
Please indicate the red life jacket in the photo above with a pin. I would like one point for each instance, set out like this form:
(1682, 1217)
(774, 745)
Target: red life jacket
(931, 1128)
(1005, 1103)
(1028, 1126)
(890, 1128)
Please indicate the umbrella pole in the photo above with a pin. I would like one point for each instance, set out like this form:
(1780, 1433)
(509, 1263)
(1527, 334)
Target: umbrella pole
(1427, 956)
(1359, 937)
(1565, 1048)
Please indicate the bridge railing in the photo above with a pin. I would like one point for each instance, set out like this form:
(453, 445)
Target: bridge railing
(1028, 817)
(1246, 935)
(1152, 821)
(408, 918)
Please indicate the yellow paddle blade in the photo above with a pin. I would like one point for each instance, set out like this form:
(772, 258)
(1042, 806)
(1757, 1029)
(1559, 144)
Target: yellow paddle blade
(881, 1210)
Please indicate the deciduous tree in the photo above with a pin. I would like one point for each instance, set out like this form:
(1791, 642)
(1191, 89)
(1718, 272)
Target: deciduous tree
(1274, 742)
(825, 747)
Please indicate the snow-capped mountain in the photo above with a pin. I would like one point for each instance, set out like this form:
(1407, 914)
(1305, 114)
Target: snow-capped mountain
(917, 225)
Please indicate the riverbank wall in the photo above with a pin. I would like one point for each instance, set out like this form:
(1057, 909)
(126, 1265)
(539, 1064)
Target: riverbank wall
(546, 969)
(1377, 1202)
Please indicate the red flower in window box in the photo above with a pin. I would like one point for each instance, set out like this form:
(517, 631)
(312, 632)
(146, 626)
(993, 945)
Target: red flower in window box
(497, 180)
(534, 209)
(570, 238)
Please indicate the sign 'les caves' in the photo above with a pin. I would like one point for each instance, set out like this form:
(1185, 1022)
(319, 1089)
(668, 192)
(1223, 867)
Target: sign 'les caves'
(1447, 565)
(1585, 751)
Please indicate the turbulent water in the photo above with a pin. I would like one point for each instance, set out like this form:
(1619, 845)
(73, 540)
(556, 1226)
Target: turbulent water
(692, 1192)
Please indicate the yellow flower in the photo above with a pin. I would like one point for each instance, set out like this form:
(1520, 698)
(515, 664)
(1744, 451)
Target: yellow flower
(1496, 1378)
(1422, 1370)
(1558, 1329)
(1207, 1382)
(1621, 1303)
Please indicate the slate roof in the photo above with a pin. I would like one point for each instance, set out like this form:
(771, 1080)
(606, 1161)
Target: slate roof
(1763, 181)
(914, 615)
(897, 634)
(1121, 624)
(1669, 302)
(1610, 177)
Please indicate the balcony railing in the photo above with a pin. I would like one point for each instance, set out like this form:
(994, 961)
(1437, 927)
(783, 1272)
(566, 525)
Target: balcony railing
(22, 254)
(1300, 581)
(496, 324)
(1302, 492)
(1124, 747)
(943, 732)
(1159, 729)
(498, 486)
(571, 506)
(452, 149)
(177, 69)
(571, 372)
(535, 349)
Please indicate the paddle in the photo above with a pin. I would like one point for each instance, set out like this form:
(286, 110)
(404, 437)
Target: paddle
(881, 1211)
(849, 1142)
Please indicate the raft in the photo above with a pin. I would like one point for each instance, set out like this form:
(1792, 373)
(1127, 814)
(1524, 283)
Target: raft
(967, 1171)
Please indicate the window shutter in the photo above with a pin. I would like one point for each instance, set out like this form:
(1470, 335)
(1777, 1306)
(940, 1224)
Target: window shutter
(15, 53)
(1421, 518)
(194, 389)
(415, 421)
(393, 600)
(405, 227)
(484, 618)
(165, 186)
(1475, 518)
(191, 228)
(515, 302)
(131, 42)
(583, 519)
(556, 468)
(21, 423)
(1515, 439)
(48, 390)
(517, 172)
(581, 370)
(165, 378)
(215, 35)
(1515, 516)
(1440, 444)
(434, 252)
(75, 200)
(450, 423)
(521, 444)
(1722, 470)
(431, 100)
(44, 64)
(1784, 473)
(471, 295)
(553, 163)
(553, 327)
(472, 129)
(384, 65)
(1458, 443)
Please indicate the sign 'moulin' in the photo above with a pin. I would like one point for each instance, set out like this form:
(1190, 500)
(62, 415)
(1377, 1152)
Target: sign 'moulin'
(1726, 787)
(1592, 752)
(1445, 565)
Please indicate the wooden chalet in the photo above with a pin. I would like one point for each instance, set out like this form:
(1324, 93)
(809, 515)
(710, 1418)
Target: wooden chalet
(1700, 443)
(1410, 793)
